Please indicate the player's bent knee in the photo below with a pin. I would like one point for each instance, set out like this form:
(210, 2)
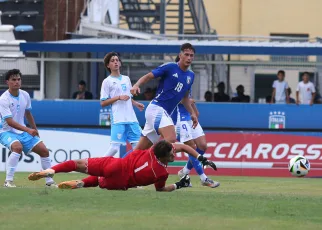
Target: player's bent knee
(202, 146)
(16, 147)
(191, 143)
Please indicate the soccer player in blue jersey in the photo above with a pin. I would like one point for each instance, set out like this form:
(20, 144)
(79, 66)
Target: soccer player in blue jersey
(194, 137)
(175, 83)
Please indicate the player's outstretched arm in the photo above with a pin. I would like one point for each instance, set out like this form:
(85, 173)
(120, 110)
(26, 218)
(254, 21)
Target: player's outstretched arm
(183, 183)
(136, 87)
(194, 153)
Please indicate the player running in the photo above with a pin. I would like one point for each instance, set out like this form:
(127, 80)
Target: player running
(175, 83)
(15, 105)
(140, 168)
(115, 91)
(195, 138)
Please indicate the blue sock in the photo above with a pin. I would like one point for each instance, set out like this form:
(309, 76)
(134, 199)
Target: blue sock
(191, 159)
(127, 153)
(197, 165)
(201, 152)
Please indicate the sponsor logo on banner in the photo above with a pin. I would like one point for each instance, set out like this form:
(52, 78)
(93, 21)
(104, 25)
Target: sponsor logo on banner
(62, 146)
(276, 120)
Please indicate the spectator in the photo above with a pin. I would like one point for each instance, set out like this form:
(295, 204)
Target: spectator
(280, 87)
(291, 100)
(318, 98)
(305, 91)
(208, 96)
(241, 97)
(148, 94)
(268, 99)
(82, 94)
(221, 96)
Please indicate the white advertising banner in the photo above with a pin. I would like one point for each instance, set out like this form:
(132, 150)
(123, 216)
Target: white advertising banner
(62, 146)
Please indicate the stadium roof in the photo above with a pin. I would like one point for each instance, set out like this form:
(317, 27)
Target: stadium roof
(172, 46)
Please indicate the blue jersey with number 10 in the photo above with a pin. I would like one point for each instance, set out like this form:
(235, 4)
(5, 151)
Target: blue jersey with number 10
(173, 85)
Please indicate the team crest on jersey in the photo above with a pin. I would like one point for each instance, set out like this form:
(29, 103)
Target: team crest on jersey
(188, 80)
(119, 136)
(123, 87)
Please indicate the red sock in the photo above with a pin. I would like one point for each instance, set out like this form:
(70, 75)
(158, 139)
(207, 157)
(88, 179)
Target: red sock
(67, 166)
(90, 181)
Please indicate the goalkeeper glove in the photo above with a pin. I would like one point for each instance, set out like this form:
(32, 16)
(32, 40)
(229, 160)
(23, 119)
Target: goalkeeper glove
(184, 182)
(204, 161)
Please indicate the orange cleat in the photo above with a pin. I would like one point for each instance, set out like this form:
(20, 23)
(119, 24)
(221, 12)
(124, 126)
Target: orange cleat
(72, 184)
(42, 174)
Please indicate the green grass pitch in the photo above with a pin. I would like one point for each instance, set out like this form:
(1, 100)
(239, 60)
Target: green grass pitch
(239, 203)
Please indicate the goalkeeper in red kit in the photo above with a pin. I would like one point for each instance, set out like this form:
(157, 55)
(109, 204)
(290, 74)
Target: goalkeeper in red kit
(139, 168)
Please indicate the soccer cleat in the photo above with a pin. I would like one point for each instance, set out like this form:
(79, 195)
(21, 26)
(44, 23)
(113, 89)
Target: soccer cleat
(181, 174)
(210, 183)
(42, 174)
(72, 184)
(9, 184)
(51, 185)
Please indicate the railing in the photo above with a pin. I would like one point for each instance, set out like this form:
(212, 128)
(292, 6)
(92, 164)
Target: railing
(199, 14)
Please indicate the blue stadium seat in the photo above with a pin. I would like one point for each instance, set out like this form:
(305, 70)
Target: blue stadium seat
(24, 28)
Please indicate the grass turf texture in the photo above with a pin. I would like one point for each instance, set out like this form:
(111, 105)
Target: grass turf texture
(239, 203)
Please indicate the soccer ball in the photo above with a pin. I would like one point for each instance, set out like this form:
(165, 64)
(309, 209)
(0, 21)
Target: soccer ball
(299, 166)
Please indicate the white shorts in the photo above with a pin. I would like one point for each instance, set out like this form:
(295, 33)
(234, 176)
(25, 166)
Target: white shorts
(185, 132)
(156, 117)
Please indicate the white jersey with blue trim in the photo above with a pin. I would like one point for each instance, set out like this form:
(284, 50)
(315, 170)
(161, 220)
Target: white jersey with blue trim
(173, 85)
(11, 106)
(122, 111)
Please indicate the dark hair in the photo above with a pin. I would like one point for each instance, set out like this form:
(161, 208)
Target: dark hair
(108, 57)
(281, 71)
(289, 90)
(187, 46)
(82, 82)
(177, 59)
(221, 84)
(162, 149)
(240, 87)
(306, 73)
(11, 72)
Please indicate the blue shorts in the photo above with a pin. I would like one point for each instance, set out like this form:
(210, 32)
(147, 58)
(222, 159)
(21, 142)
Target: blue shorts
(27, 141)
(120, 133)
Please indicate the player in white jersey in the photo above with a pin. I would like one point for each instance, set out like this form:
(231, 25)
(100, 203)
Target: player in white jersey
(115, 91)
(15, 105)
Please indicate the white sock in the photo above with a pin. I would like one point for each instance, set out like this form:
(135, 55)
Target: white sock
(113, 149)
(185, 170)
(203, 177)
(46, 164)
(12, 163)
